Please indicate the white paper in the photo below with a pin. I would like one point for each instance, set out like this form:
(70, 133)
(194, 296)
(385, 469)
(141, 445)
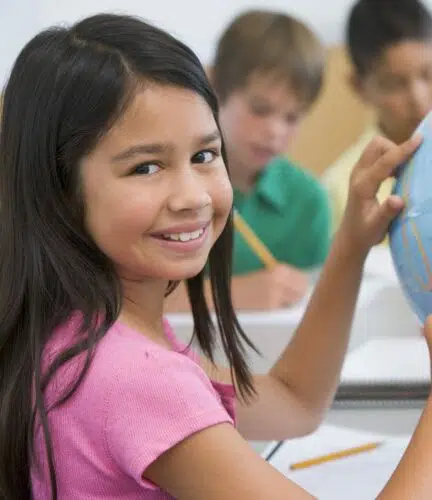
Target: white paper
(358, 477)
(388, 359)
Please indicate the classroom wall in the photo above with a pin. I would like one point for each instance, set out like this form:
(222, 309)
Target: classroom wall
(197, 22)
(19, 20)
(335, 121)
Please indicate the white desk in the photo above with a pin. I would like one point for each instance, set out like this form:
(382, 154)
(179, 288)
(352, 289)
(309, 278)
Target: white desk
(397, 421)
(358, 477)
(363, 475)
(381, 309)
(402, 420)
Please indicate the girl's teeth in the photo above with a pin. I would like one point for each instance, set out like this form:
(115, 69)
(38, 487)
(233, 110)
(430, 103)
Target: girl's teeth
(185, 236)
(174, 237)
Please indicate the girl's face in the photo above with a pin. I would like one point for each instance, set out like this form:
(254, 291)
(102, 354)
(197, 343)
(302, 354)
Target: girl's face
(156, 190)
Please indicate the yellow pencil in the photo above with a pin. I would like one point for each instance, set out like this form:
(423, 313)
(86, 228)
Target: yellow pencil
(253, 241)
(335, 456)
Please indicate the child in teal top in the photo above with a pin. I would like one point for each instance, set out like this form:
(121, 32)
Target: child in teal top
(287, 196)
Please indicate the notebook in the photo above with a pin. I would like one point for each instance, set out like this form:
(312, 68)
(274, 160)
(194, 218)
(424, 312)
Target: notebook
(386, 369)
(332, 480)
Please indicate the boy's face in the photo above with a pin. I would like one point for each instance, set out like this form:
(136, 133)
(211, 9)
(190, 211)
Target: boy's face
(399, 87)
(259, 122)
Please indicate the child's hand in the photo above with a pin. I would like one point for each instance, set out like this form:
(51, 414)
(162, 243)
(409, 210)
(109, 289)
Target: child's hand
(366, 222)
(274, 288)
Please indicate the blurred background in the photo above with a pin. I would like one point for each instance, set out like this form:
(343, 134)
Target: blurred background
(199, 23)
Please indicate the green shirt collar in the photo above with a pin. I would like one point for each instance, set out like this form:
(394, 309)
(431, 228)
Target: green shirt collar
(270, 188)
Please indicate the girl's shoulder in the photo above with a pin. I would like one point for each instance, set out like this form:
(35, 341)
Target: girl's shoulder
(123, 357)
(128, 368)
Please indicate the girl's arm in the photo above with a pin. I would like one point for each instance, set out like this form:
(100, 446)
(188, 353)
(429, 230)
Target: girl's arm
(293, 398)
(309, 368)
(217, 464)
(412, 478)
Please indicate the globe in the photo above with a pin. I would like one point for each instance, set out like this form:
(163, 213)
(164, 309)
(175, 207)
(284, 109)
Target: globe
(410, 234)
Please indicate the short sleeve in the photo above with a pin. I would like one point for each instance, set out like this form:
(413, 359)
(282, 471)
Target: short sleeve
(315, 242)
(154, 404)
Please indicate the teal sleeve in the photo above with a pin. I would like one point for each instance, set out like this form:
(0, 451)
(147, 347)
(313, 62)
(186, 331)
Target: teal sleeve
(317, 230)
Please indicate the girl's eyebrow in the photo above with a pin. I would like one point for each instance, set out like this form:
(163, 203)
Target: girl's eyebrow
(208, 138)
(159, 148)
(138, 149)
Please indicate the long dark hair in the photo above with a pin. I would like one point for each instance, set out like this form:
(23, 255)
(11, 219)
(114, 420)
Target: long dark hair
(66, 89)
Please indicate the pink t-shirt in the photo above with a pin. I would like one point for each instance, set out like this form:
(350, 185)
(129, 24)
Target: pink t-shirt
(137, 401)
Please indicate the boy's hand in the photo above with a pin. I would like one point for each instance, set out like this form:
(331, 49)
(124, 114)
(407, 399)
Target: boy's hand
(366, 221)
(274, 288)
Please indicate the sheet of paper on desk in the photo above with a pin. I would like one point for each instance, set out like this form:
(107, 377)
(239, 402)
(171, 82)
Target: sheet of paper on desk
(362, 475)
(388, 359)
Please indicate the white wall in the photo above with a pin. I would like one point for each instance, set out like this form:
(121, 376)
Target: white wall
(18, 22)
(197, 22)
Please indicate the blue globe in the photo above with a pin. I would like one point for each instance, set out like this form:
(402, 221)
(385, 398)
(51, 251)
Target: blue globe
(411, 232)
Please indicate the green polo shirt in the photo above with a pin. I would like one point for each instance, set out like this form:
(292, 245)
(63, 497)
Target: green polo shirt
(289, 211)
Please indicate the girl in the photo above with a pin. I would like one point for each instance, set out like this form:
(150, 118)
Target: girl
(113, 189)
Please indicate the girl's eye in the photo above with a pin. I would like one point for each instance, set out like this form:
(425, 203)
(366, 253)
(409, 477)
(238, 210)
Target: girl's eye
(205, 156)
(146, 169)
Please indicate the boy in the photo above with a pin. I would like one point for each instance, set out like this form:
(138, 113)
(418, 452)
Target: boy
(267, 72)
(390, 46)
